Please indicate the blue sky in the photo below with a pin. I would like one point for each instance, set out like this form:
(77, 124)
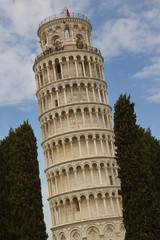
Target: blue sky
(126, 31)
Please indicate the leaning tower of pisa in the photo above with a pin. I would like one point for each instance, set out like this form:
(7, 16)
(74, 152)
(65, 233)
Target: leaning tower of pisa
(77, 131)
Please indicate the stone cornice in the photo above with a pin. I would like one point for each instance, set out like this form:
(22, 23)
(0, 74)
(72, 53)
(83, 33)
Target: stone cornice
(90, 221)
(76, 131)
(81, 191)
(70, 80)
(65, 107)
(111, 158)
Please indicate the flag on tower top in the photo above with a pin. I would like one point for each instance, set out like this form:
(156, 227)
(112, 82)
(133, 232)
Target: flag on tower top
(68, 14)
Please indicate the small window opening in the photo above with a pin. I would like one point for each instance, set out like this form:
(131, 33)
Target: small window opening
(51, 160)
(82, 69)
(58, 71)
(58, 68)
(56, 103)
(66, 33)
(41, 79)
(76, 203)
(111, 180)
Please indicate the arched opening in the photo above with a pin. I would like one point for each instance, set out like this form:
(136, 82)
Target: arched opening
(67, 35)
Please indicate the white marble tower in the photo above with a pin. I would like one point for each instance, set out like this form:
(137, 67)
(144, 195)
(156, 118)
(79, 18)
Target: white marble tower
(77, 130)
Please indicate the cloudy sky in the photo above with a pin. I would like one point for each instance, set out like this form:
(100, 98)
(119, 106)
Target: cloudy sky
(126, 31)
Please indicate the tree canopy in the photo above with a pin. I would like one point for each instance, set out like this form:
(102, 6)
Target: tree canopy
(138, 157)
(24, 199)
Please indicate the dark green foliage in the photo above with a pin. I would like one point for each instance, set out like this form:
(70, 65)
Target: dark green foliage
(138, 156)
(4, 188)
(24, 199)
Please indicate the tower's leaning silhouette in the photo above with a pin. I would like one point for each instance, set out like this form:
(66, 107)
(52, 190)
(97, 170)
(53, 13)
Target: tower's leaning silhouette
(77, 130)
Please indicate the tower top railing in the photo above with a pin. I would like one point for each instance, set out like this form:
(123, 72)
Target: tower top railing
(64, 15)
(62, 48)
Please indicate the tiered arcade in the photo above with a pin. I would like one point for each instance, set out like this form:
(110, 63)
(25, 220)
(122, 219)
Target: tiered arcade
(77, 131)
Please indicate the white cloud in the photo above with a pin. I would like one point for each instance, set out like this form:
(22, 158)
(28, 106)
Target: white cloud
(151, 73)
(152, 70)
(154, 95)
(126, 35)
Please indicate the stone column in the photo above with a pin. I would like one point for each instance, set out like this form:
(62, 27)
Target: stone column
(103, 72)
(69, 74)
(57, 95)
(51, 94)
(88, 206)
(101, 141)
(90, 113)
(68, 180)
(97, 207)
(76, 122)
(99, 95)
(53, 217)
(72, 152)
(61, 126)
(75, 176)
(95, 69)
(99, 173)
(107, 176)
(61, 70)
(87, 145)
(87, 94)
(118, 206)
(80, 207)
(104, 100)
(83, 118)
(75, 61)
(90, 71)
(92, 178)
(54, 122)
(61, 179)
(39, 77)
(43, 76)
(99, 71)
(64, 150)
(84, 178)
(49, 187)
(68, 123)
(52, 188)
(65, 98)
(94, 97)
(107, 146)
(73, 216)
(104, 125)
(36, 78)
(56, 185)
(105, 207)
(58, 152)
(72, 93)
(79, 145)
(95, 145)
(54, 72)
(59, 214)
(43, 108)
(84, 72)
(66, 216)
(111, 199)
(97, 117)
(48, 74)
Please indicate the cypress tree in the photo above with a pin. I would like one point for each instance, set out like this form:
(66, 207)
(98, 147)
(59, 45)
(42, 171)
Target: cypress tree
(4, 188)
(135, 157)
(4, 213)
(25, 199)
